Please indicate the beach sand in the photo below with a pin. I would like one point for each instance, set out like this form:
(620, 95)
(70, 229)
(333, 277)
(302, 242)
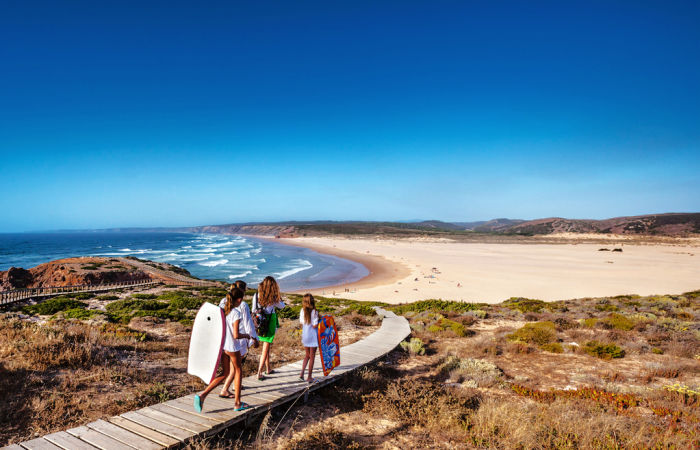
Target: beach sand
(405, 270)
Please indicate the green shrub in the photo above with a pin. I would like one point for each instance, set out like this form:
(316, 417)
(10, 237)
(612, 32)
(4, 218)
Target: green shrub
(657, 351)
(290, 312)
(437, 306)
(606, 307)
(619, 322)
(552, 347)
(525, 305)
(434, 328)
(80, 313)
(415, 346)
(80, 295)
(145, 296)
(604, 351)
(53, 305)
(538, 333)
(107, 297)
(589, 323)
(360, 309)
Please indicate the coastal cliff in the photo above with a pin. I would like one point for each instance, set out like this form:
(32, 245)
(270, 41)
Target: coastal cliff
(87, 270)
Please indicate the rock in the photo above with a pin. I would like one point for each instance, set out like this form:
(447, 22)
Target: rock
(16, 278)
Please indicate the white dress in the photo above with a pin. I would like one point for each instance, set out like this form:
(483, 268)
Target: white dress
(309, 332)
(231, 344)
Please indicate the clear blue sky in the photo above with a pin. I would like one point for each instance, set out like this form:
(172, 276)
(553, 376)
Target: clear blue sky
(186, 113)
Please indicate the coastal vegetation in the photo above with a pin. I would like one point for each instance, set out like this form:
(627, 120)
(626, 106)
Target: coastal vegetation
(587, 372)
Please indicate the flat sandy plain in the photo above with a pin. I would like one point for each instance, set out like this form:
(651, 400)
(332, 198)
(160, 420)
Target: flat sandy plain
(404, 270)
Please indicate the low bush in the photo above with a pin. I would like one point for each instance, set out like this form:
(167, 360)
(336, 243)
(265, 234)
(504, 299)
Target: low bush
(552, 347)
(538, 333)
(603, 351)
(525, 305)
(415, 346)
(437, 306)
(107, 297)
(470, 371)
(53, 305)
(619, 322)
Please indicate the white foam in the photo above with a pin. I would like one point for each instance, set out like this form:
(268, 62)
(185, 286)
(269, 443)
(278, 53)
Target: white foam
(217, 262)
(240, 275)
(305, 265)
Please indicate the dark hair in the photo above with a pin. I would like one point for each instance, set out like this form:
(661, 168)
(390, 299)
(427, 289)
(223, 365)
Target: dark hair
(240, 284)
(232, 297)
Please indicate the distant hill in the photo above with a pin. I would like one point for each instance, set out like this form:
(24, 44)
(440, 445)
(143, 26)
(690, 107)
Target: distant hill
(670, 224)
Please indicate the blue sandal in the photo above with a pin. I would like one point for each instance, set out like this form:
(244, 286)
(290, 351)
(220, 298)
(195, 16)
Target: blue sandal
(243, 407)
(197, 404)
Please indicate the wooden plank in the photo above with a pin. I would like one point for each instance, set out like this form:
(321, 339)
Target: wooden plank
(174, 421)
(125, 436)
(98, 439)
(187, 406)
(12, 447)
(68, 441)
(208, 422)
(155, 436)
(39, 444)
(156, 425)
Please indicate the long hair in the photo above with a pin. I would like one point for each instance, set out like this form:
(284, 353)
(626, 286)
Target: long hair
(232, 297)
(268, 292)
(308, 304)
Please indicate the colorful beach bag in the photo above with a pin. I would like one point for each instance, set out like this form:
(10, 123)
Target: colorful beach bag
(328, 344)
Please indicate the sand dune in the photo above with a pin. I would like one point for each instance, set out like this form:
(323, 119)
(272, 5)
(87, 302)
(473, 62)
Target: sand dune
(415, 269)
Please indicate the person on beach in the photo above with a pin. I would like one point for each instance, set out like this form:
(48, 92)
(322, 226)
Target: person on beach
(309, 334)
(247, 324)
(236, 342)
(227, 304)
(265, 304)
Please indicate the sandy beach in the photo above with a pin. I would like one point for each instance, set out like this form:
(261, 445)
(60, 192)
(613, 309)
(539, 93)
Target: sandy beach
(405, 270)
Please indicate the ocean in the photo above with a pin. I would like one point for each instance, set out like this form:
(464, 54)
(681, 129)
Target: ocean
(212, 256)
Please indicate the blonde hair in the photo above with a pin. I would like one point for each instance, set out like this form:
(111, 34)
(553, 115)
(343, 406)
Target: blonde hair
(268, 292)
(232, 296)
(308, 304)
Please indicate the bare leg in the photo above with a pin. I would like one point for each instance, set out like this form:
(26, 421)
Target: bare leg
(312, 357)
(225, 363)
(306, 360)
(267, 359)
(231, 373)
(238, 370)
(264, 355)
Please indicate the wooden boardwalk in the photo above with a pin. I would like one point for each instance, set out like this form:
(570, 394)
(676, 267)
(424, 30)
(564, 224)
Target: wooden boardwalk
(175, 422)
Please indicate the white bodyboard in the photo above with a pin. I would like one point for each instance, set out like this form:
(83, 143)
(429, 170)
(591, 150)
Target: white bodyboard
(206, 342)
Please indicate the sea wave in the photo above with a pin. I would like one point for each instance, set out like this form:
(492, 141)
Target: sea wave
(217, 262)
(305, 265)
(240, 275)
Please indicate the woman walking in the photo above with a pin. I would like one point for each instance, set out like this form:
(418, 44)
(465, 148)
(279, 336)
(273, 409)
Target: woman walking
(265, 304)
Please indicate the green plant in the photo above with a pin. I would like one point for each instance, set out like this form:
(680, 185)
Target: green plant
(53, 305)
(603, 351)
(538, 333)
(552, 347)
(589, 323)
(107, 297)
(525, 305)
(415, 346)
(438, 305)
(619, 322)
(80, 313)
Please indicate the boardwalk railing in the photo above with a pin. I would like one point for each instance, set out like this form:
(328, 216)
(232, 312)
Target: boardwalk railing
(16, 295)
(175, 422)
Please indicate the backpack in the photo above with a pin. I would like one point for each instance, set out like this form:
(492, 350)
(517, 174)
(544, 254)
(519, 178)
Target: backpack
(262, 319)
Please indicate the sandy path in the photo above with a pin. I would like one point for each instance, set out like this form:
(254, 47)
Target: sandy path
(488, 272)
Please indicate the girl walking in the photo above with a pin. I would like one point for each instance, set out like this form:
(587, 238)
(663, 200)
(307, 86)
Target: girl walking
(233, 343)
(309, 334)
(265, 304)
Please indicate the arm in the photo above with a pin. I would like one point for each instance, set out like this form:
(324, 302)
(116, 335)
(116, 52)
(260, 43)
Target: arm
(236, 334)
